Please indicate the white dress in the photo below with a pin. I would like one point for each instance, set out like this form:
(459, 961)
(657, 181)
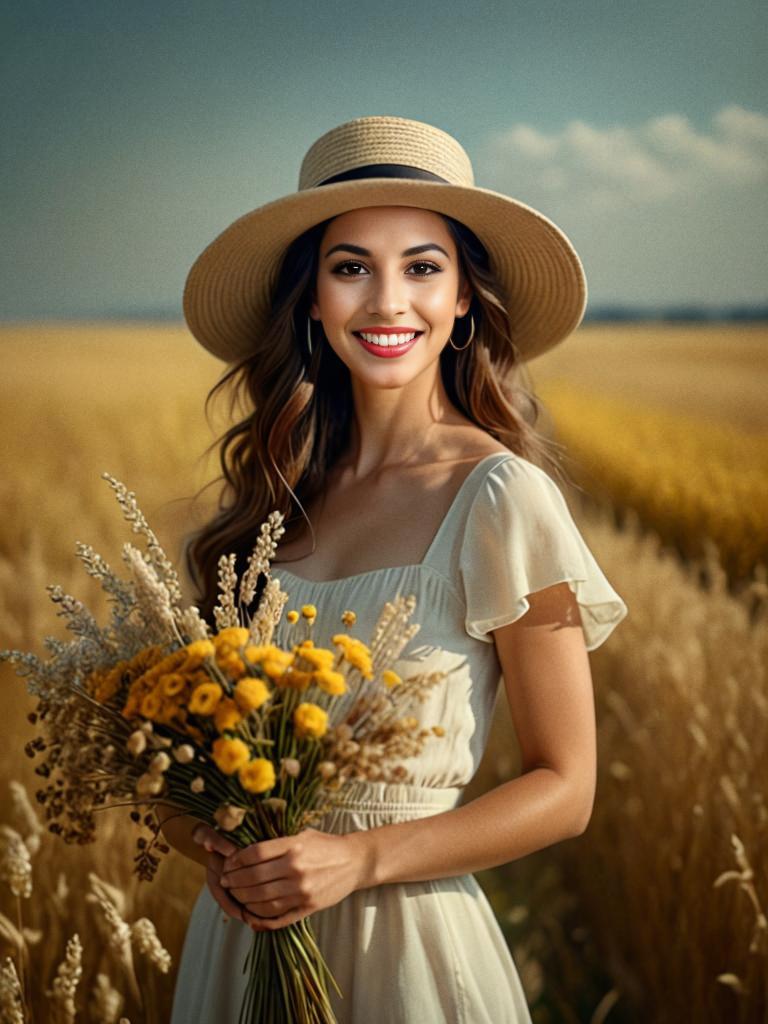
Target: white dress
(429, 951)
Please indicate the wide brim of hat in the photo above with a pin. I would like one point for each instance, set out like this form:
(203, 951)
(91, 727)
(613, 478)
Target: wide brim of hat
(228, 292)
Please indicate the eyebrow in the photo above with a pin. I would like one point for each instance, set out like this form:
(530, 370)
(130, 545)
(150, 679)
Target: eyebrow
(413, 251)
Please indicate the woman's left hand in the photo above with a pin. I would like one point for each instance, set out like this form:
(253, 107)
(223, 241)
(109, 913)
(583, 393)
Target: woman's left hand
(279, 881)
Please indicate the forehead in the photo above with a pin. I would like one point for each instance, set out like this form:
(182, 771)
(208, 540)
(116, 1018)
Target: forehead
(386, 223)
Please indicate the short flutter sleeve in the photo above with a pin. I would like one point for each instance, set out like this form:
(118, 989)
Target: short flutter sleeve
(520, 537)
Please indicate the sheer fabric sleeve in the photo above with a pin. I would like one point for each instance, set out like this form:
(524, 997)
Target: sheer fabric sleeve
(520, 537)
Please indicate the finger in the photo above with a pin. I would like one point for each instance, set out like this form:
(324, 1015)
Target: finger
(222, 897)
(263, 892)
(259, 853)
(208, 837)
(273, 908)
(256, 874)
(271, 924)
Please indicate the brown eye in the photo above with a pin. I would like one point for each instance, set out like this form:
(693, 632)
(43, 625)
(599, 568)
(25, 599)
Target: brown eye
(339, 268)
(431, 269)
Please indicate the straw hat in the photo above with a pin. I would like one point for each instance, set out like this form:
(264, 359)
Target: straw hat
(386, 161)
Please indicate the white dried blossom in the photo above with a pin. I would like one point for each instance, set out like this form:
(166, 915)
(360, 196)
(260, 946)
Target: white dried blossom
(229, 817)
(132, 513)
(121, 591)
(263, 552)
(27, 822)
(197, 785)
(268, 613)
(290, 766)
(11, 1003)
(106, 1001)
(149, 785)
(192, 625)
(185, 753)
(160, 763)
(276, 803)
(152, 596)
(65, 983)
(326, 769)
(137, 742)
(15, 865)
(225, 612)
(147, 942)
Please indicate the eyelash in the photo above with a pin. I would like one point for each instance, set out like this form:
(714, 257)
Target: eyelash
(356, 263)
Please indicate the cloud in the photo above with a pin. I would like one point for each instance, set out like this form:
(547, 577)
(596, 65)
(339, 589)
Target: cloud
(663, 159)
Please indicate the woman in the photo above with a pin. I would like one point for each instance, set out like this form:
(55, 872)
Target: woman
(377, 321)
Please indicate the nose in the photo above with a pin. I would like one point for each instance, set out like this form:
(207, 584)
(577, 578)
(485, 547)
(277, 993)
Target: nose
(387, 294)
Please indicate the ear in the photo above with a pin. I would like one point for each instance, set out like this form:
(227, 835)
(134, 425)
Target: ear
(314, 312)
(465, 298)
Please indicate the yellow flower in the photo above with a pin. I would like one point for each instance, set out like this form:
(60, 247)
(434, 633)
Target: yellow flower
(251, 693)
(257, 776)
(172, 683)
(227, 715)
(205, 698)
(310, 720)
(390, 678)
(235, 636)
(317, 656)
(295, 679)
(349, 618)
(356, 653)
(273, 667)
(151, 704)
(309, 611)
(132, 706)
(256, 652)
(232, 664)
(292, 616)
(198, 651)
(330, 681)
(230, 754)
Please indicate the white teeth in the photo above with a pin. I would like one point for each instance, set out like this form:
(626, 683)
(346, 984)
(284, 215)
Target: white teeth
(388, 339)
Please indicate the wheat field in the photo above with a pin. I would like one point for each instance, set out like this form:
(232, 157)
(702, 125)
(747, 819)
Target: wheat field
(656, 914)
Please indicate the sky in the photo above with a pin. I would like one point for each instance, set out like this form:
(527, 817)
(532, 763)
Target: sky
(135, 132)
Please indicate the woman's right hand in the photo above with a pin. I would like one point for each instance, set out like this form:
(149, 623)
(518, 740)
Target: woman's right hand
(218, 848)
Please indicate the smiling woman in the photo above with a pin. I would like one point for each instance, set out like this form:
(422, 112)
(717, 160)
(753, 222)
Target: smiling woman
(377, 323)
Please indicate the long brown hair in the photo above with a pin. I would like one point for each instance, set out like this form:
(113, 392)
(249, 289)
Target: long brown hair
(299, 408)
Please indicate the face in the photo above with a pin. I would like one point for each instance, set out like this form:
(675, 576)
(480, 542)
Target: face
(388, 267)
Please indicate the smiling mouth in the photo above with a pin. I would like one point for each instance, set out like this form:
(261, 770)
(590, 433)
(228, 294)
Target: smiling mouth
(388, 340)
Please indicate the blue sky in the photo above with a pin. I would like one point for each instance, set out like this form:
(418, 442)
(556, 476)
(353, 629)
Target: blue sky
(137, 131)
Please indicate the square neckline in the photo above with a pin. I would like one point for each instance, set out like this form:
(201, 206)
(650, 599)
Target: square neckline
(411, 565)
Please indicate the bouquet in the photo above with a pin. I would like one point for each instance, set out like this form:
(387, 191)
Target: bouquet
(250, 738)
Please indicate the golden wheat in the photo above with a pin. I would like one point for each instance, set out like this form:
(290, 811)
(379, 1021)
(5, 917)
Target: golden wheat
(688, 479)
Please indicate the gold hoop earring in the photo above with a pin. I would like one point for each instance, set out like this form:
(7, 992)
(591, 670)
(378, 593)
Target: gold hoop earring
(460, 348)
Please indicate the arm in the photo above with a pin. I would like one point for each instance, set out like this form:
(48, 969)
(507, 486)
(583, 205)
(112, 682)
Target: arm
(549, 686)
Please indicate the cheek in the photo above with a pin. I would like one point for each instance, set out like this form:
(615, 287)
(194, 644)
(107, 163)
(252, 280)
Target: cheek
(438, 302)
(333, 298)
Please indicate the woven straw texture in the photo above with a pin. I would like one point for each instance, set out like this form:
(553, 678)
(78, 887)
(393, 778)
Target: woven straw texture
(391, 140)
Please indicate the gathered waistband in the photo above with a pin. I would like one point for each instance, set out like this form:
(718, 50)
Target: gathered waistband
(363, 797)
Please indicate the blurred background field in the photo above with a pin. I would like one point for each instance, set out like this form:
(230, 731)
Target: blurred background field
(658, 912)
